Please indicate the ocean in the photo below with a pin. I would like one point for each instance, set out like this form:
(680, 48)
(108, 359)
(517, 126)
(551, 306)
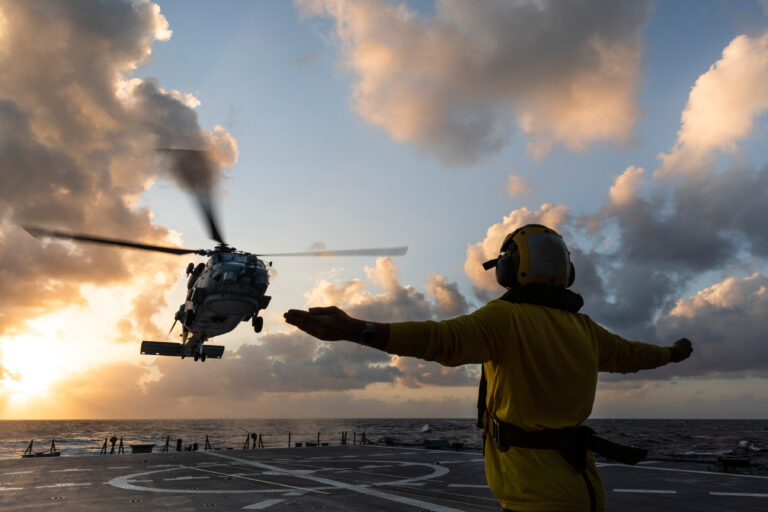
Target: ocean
(86, 437)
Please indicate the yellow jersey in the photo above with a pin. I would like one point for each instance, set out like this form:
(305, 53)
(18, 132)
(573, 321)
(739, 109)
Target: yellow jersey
(541, 365)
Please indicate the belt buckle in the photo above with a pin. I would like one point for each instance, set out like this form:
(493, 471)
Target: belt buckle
(496, 435)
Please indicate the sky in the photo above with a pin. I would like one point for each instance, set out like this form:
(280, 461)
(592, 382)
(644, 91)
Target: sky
(637, 130)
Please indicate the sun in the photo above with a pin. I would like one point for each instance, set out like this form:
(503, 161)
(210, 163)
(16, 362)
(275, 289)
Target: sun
(31, 364)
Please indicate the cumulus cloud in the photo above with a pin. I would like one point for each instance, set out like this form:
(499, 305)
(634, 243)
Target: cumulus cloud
(458, 82)
(722, 107)
(517, 186)
(728, 319)
(484, 282)
(624, 190)
(667, 234)
(78, 135)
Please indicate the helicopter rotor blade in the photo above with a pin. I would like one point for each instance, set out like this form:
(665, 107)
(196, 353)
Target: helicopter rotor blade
(195, 170)
(171, 329)
(381, 251)
(40, 232)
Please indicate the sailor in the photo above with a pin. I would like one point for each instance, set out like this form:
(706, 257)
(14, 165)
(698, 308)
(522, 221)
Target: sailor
(540, 363)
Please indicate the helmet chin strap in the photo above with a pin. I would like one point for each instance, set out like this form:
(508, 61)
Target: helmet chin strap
(488, 265)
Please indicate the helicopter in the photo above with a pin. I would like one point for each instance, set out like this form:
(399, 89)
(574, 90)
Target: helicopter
(229, 288)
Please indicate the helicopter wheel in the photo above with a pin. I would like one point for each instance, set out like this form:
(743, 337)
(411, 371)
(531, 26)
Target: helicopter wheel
(258, 323)
(202, 358)
(196, 356)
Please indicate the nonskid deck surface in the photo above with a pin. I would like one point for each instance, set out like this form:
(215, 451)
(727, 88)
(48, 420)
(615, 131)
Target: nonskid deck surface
(337, 478)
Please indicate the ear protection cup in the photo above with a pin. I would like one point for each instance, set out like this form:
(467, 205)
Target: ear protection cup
(506, 269)
(571, 276)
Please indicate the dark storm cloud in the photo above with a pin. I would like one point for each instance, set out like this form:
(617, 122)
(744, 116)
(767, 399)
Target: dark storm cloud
(77, 147)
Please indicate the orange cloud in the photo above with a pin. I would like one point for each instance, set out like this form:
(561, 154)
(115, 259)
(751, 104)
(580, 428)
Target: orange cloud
(722, 107)
(458, 82)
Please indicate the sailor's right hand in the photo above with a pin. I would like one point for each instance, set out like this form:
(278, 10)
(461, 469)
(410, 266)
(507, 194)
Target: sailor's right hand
(328, 324)
(681, 349)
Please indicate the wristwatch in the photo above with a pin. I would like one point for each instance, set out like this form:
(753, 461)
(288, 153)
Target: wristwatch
(369, 334)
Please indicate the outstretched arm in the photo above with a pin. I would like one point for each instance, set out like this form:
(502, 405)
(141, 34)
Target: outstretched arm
(333, 324)
(618, 355)
(466, 339)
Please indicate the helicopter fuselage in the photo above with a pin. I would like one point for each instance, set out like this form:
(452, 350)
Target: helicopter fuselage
(227, 289)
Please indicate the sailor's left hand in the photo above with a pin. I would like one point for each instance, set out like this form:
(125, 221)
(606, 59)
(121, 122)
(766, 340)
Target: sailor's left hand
(327, 323)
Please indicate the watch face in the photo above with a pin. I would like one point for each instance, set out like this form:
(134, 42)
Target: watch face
(369, 333)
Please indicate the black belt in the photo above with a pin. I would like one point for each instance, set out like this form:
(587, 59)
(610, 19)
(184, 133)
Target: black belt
(571, 442)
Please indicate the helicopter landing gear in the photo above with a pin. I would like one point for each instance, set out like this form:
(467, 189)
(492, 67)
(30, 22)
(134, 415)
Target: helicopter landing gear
(258, 323)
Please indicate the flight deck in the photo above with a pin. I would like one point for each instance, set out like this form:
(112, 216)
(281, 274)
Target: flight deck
(351, 478)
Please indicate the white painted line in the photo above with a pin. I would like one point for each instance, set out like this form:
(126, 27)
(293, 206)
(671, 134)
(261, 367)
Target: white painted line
(375, 466)
(119, 467)
(710, 473)
(187, 478)
(18, 473)
(70, 470)
(646, 491)
(363, 489)
(744, 494)
(125, 482)
(262, 504)
(68, 484)
(164, 466)
(11, 488)
(135, 481)
(474, 486)
(648, 462)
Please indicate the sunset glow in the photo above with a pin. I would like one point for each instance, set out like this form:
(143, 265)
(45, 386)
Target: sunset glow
(638, 133)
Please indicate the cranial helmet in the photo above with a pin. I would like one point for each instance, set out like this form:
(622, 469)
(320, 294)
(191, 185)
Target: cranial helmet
(533, 254)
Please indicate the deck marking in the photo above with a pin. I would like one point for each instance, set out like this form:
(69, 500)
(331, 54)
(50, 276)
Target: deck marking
(18, 473)
(475, 486)
(70, 470)
(119, 467)
(11, 488)
(187, 478)
(263, 504)
(164, 466)
(744, 494)
(710, 473)
(135, 481)
(363, 489)
(124, 482)
(375, 466)
(257, 480)
(646, 491)
(66, 484)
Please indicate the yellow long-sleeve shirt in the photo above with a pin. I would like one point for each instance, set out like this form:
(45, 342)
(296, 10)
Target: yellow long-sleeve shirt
(541, 365)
